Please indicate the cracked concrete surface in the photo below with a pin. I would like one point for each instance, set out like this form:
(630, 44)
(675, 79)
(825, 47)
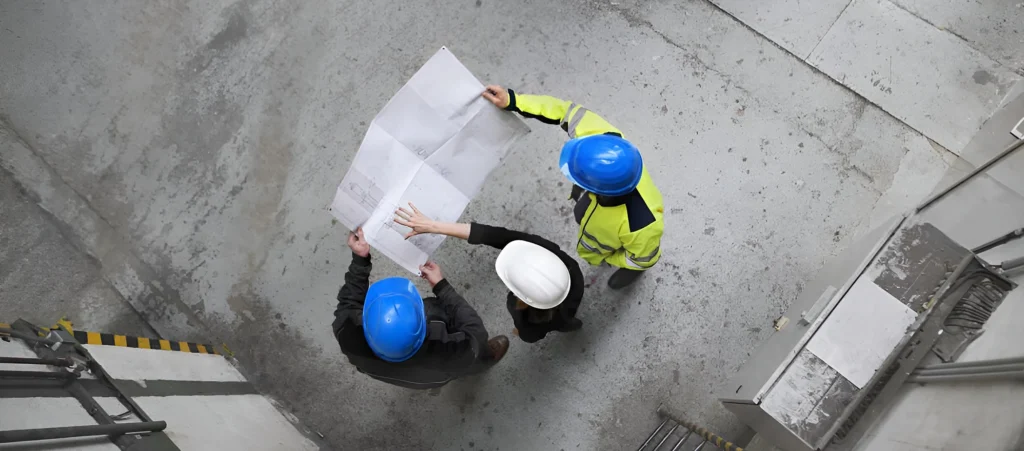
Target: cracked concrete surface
(44, 276)
(206, 139)
(940, 67)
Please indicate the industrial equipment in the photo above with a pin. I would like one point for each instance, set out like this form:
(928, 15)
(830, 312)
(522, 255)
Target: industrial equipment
(862, 327)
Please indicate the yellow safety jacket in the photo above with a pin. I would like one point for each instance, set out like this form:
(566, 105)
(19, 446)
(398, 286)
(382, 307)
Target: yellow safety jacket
(624, 231)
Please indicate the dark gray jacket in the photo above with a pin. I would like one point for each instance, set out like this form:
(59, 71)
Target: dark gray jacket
(456, 338)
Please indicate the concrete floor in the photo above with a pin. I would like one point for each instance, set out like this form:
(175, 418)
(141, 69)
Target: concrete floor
(914, 58)
(192, 147)
(44, 276)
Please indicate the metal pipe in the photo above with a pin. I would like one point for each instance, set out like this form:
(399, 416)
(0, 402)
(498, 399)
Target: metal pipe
(701, 446)
(24, 336)
(26, 435)
(991, 362)
(708, 436)
(1005, 375)
(971, 370)
(1016, 145)
(46, 349)
(656, 431)
(101, 373)
(1013, 235)
(37, 361)
(37, 375)
(682, 440)
(1013, 264)
(665, 438)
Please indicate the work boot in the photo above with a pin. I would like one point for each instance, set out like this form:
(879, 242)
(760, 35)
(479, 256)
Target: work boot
(498, 346)
(572, 326)
(622, 278)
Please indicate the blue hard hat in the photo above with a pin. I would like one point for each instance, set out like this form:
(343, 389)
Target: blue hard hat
(393, 320)
(602, 164)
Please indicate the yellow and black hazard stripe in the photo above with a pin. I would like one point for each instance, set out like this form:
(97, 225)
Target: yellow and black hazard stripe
(97, 338)
(712, 437)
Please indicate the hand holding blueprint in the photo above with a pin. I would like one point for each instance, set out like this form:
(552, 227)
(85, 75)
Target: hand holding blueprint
(433, 144)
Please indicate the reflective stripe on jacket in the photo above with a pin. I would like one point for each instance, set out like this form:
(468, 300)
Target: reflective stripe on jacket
(624, 231)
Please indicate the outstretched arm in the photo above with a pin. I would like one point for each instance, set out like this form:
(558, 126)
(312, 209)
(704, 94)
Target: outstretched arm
(475, 233)
(574, 119)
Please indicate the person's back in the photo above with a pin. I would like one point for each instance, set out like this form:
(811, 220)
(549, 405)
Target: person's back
(619, 209)
(444, 340)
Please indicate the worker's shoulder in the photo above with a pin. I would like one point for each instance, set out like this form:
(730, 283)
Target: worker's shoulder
(353, 342)
(639, 212)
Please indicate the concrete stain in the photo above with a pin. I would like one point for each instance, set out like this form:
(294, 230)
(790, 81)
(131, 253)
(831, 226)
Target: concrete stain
(983, 77)
(234, 31)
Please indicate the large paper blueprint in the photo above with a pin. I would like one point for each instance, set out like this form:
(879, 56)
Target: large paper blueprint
(433, 144)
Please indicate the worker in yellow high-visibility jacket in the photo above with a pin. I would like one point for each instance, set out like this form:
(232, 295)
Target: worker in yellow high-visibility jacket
(619, 209)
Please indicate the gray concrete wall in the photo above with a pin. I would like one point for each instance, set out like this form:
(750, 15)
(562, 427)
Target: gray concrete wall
(192, 147)
(44, 276)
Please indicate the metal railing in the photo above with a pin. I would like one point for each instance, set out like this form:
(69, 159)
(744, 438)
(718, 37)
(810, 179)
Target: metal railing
(676, 442)
(59, 349)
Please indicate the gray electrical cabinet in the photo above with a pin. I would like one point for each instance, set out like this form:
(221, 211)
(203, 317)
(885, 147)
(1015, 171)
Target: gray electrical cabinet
(797, 388)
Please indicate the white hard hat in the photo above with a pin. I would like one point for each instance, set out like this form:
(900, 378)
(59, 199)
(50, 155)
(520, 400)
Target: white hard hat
(534, 274)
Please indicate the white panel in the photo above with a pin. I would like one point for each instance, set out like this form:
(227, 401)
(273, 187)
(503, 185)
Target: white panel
(965, 415)
(29, 413)
(861, 331)
(242, 422)
(17, 348)
(142, 364)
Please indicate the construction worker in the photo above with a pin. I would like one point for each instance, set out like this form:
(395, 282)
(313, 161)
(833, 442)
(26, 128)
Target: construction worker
(619, 209)
(545, 284)
(390, 334)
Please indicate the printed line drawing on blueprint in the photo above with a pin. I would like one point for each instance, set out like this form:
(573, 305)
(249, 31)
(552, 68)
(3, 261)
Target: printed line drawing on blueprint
(433, 144)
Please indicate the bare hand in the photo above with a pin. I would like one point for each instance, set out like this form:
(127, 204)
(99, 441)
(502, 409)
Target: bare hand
(497, 95)
(357, 242)
(431, 272)
(415, 220)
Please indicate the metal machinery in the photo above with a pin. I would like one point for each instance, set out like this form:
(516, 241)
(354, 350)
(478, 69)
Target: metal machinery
(60, 349)
(863, 325)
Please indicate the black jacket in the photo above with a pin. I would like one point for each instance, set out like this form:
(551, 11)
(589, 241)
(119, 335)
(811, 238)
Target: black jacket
(499, 237)
(456, 337)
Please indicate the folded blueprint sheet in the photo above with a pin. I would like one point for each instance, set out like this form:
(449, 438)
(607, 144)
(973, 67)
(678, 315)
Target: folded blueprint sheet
(433, 144)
